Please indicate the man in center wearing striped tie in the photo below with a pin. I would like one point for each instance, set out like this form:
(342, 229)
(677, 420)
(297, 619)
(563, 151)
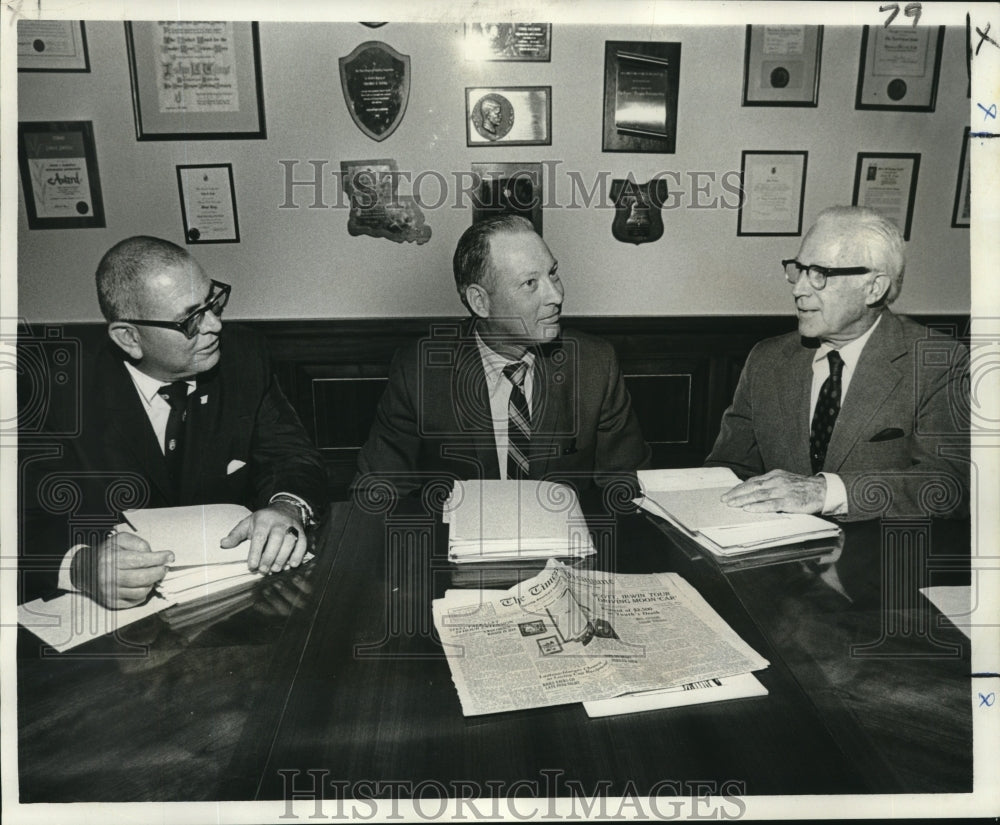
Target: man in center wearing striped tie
(860, 412)
(509, 394)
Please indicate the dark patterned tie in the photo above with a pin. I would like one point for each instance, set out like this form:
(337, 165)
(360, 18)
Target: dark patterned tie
(827, 409)
(518, 422)
(173, 443)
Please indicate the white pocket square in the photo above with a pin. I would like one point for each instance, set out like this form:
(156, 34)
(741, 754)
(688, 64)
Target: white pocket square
(234, 465)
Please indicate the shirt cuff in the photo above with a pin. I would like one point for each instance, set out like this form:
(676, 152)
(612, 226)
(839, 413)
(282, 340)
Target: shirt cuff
(306, 509)
(65, 581)
(835, 500)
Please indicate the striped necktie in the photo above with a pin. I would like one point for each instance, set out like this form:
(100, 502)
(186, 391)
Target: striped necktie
(518, 422)
(827, 410)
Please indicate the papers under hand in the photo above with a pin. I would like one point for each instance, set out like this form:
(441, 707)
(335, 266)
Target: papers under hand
(697, 509)
(492, 520)
(191, 533)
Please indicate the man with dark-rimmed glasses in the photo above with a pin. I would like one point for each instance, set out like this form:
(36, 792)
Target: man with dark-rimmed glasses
(167, 421)
(860, 412)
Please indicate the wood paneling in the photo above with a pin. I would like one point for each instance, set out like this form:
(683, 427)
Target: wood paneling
(680, 371)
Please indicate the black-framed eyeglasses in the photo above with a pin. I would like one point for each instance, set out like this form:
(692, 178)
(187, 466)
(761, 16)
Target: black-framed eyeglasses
(191, 323)
(816, 274)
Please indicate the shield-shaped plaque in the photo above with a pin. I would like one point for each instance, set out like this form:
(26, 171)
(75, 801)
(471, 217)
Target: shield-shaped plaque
(376, 83)
(637, 210)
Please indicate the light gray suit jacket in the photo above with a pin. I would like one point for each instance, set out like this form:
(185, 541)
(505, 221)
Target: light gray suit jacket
(901, 440)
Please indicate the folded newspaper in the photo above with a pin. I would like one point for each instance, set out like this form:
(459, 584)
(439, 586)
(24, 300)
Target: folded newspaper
(570, 635)
(690, 499)
(493, 520)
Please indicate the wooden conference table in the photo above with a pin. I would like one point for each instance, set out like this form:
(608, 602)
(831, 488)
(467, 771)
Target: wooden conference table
(332, 673)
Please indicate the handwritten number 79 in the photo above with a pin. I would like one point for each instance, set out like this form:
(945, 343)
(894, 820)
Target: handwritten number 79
(913, 10)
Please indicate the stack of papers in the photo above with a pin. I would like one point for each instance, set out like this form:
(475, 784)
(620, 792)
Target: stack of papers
(691, 500)
(200, 567)
(615, 641)
(492, 520)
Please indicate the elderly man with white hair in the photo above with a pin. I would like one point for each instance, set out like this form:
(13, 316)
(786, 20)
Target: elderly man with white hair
(861, 412)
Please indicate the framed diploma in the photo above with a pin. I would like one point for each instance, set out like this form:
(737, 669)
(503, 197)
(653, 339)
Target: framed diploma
(59, 175)
(640, 96)
(512, 116)
(899, 68)
(195, 80)
(774, 188)
(510, 42)
(508, 189)
(887, 183)
(781, 65)
(52, 46)
(208, 203)
(961, 215)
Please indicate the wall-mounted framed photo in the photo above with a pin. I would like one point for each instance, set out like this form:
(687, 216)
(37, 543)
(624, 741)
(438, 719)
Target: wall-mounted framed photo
(774, 190)
(781, 65)
(208, 203)
(509, 42)
(59, 174)
(640, 96)
(961, 213)
(52, 46)
(508, 115)
(195, 80)
(887, 183)
(508, 188)
(899, 68)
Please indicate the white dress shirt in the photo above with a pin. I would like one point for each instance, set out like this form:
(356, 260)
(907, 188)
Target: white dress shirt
(498, 387)
(835, 500)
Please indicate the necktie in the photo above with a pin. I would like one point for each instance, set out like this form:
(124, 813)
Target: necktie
(825, 415)
(518, 422)
(173, 443)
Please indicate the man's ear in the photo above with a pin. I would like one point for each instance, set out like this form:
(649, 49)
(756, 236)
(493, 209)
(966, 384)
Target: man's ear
(878, 288)
(478, 300)
(126, 336)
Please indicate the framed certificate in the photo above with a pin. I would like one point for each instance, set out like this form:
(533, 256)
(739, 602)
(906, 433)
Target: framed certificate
(208, 203)
(774, 187)
(781, 65)
(640, 96)
(509, 115)
(961, 215)
(899, 68)
(52, 46)
(195, 80)
(59, 175)
(508, 189)
(887, 183)
(510, 42)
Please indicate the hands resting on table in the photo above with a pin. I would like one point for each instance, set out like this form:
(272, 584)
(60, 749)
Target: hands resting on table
(779, 491)
(121, 571)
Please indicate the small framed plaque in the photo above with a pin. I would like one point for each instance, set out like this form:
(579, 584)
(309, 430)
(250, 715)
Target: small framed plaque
(377, 208)
(511, 42)
(640, 96)
(509, 115)
(59, 175)
(961, 215)
(208, 203)
(52, 46)
(899, 68)
(774, 188)
(195, 80)
(781, 66)
(887, 183)
(508, 188)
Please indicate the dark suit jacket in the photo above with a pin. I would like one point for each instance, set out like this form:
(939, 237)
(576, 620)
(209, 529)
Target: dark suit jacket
(900, 443)
(434, 422)
(74, 487)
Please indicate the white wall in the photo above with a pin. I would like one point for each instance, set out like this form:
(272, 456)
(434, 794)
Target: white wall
(301, 263)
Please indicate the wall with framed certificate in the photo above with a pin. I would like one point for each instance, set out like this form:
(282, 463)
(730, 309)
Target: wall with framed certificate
(887, 183)
(782, 65)
(208, 203)
(899, 68)
(774, 188)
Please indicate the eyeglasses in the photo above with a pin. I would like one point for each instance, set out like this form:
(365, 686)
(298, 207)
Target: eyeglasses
(817, 274)
(191, 323)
